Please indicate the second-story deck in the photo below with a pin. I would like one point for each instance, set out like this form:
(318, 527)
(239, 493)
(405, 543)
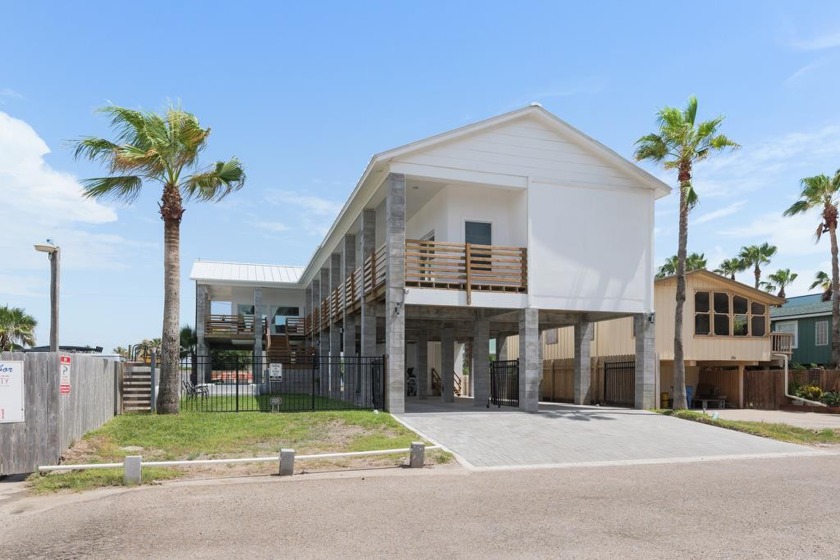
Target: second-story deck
(782, 343)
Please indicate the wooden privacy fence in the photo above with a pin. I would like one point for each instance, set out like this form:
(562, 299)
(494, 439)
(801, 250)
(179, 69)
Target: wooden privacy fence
(765, 388)
(558, 378)
(57, 409)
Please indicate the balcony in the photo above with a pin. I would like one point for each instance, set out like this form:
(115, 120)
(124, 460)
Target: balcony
(782, 343)
(232, 327)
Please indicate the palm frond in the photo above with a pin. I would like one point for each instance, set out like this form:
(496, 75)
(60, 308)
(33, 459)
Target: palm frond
(216, 183)
(92, 148)
(125, 188)
(798, 207)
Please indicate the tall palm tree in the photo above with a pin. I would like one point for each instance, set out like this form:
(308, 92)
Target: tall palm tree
(729, 267)
(755, 256)
(781, 278)
(121, 351)
(188, 341)
(679, 143)
(160, 148)
(694, 261)
(823, 281)
(822, 192)
(17, 329)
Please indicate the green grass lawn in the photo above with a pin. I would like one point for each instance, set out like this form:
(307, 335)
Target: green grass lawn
(291, 402)
(215, 435)
(781, 432)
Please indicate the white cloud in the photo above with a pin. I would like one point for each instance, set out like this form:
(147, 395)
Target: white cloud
(818, 43)
(794, 236)
(720, 213)
(8, 93)
(314, 214)
(802, 72)
(274, 227)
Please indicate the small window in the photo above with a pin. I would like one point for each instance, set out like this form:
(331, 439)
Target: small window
(721, 303)
(721, 324)
(740, 325)
(478, 233)
(701, 302)
(759, 326)
(821, 333)
(701, 324)
(739, 305)
(757, 308)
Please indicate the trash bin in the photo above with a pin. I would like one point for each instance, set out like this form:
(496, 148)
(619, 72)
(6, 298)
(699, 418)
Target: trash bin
(665, 399)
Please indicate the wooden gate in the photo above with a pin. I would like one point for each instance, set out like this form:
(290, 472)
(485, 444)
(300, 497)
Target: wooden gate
(136, 388)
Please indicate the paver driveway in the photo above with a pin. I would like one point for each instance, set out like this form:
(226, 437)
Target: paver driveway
(574, 435)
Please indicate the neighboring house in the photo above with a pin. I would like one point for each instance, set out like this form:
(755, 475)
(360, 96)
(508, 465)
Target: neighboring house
(510, 226)
(726, 328)
(808, 320)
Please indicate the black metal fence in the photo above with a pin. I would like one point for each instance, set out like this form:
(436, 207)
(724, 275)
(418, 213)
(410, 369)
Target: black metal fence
(229, 382)
(620, 383)
(504, 383)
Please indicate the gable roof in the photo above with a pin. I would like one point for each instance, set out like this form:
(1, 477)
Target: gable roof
(759, 295)
(810, 305)
(209, 272)
(373, 175)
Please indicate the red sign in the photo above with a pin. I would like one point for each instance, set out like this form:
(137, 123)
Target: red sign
(64, 389)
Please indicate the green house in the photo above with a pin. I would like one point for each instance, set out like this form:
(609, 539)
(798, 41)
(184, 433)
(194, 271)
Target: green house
(808, 319)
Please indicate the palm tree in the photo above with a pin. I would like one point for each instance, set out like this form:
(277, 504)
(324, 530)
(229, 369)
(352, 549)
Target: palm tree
(17, 329)
(781, 278)
(823, 281)
(729, 267)
(694, 261)
(164, 149)
(121, 351)
(755, 256)
(821, 191)
(679, 144)
(188, 341)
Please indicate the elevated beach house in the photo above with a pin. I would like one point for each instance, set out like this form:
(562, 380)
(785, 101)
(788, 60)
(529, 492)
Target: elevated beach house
(509, 226)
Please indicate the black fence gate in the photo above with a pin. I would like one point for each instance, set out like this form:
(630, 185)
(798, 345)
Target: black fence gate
(230, 382)
(504, 383)
(620, 383)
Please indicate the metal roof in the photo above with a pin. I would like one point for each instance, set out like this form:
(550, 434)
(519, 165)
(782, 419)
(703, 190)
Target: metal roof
(811, 304)
(244, 273)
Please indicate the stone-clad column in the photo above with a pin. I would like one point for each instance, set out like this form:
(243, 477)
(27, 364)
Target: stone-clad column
(202, 310)
(324, 335)
(349, 320)
(336, 279)
(645, 361)
(315, 290)
(367, 326)
(423, 366)
(447, 364)
(582, 364)
(258, 326)
(529, 360)
(395, 293)
(481, 362)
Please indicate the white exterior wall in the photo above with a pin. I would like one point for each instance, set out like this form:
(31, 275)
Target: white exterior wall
(272, 298)
(590, 249)
(432, 216)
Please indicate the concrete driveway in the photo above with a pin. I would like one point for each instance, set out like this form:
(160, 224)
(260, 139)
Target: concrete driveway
(569, 435)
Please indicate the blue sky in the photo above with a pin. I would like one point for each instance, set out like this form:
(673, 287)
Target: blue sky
(305, 93)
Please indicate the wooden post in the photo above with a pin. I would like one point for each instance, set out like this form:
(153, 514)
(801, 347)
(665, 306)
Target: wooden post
(740, 385)
(468, 254)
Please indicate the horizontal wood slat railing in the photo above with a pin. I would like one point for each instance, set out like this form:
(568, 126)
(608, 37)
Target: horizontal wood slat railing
(428, 264)
(465, 266)
(232, 325)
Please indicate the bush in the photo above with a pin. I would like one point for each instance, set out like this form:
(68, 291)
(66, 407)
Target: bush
(831, 398)
(810, 392)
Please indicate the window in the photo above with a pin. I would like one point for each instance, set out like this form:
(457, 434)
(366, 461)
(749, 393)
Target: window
(723, 314)
(821, 333)
(791, 327)
(478, 233)
(551, 336)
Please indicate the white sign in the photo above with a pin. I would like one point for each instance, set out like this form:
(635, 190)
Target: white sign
(64, 380)
(275, 372)
(11, 392)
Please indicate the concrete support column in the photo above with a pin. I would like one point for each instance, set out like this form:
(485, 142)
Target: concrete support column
(348, 255)
(367, 326)
(395, 293)
(314, 304)
(501, 348)
(336, 280)
(447, 364)
(583, 374)
(645, 361)
(202, 310)
(422, 366)
(259, 311)
(481, 362)
(530, 367)
(324, 335)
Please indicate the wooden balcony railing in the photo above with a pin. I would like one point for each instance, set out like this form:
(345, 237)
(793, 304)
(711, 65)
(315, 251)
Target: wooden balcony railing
(782, 343)
(464, 266)
(231, 326)
(428, 264)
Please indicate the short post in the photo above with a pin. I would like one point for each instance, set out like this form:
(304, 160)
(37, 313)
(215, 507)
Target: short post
(418, 455)
(133, 467)
(153, 377)
(287, 462)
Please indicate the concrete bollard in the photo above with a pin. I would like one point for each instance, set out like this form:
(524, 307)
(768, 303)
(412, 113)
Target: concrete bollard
(418, 455)
(287, 462)
(133, 468)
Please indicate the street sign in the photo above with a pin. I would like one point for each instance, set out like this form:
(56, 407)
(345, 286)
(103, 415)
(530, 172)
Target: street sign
(64, 380)
(275, 372)
(11, 392)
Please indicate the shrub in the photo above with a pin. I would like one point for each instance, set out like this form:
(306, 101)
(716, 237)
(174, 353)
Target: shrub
(831, 398)
(810, 392)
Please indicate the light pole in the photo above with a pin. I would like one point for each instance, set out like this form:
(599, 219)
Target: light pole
(54, 254)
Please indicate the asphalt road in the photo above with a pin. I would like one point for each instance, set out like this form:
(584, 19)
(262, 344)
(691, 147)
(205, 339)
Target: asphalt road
(757, 508)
